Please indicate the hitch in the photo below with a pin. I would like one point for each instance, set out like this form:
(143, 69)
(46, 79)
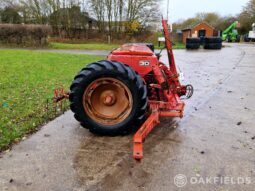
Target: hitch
(173, 107)
(158, 109)
(60, 94)
(189, 91)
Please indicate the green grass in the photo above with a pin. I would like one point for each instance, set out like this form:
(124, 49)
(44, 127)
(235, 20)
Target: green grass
(176, 46)
(28, 78)
(56, 45)
(94, 46)
(179, 46)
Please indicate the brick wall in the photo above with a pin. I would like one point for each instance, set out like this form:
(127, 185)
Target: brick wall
(195, 31)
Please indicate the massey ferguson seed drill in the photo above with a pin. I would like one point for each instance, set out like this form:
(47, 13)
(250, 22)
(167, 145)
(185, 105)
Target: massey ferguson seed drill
(129, 90)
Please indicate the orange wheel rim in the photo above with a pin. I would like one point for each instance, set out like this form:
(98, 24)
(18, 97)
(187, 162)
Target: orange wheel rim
(107, 101)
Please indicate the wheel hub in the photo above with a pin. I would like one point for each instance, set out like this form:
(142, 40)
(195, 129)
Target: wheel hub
(109, 98)
(107, 101)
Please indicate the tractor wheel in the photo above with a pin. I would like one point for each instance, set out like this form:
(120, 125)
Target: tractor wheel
(108, 98)
(246, 38)
(238, 38)
(229, 39)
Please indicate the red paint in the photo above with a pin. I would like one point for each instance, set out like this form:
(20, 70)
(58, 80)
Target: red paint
(133, 55)
(163, 84)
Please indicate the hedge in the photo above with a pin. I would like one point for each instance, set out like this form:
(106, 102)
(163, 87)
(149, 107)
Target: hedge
(24, 35)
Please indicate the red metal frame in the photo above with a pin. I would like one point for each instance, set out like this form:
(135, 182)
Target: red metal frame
(60, 94)
(173, 107)
(132, 55)
(164, 100)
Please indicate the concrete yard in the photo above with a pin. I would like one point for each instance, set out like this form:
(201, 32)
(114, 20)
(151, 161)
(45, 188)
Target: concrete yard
(215, 139)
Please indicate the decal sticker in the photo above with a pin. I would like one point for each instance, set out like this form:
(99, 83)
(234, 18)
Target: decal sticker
(144, 63)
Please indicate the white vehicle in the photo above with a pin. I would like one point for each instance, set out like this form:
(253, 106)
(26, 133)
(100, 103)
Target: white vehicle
(252, 33)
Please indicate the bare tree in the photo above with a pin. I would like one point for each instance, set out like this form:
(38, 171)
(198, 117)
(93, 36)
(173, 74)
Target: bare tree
(113, 14)
(247, 16)
(98, 10)
(121, 6)
(109, 13)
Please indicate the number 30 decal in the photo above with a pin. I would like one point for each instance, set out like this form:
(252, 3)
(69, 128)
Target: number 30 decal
(144, 63)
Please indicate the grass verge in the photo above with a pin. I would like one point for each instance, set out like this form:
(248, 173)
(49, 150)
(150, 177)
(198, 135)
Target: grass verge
(176, 46)
(28, 79)
(58, 45)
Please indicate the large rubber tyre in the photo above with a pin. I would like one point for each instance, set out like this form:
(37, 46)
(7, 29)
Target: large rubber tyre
(213, 40)
(124, 75)
(192, 46)
(192, 40)
(238, 38)
(246, 38)
(213, 46)
(229, 39)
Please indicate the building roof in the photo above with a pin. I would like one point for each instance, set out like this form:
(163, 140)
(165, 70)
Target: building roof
(195, 25)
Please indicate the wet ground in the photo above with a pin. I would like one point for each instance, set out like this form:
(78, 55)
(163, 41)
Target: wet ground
(215, 139)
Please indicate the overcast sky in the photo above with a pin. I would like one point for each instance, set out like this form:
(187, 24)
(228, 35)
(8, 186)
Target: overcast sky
(183, 9)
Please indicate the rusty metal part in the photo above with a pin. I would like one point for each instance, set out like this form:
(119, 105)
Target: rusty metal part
(158, 109)
(60, 94)
(57, 104)
(107, 101)
(172, 106)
